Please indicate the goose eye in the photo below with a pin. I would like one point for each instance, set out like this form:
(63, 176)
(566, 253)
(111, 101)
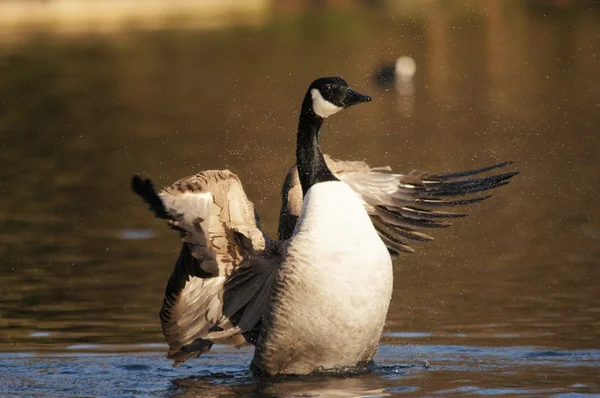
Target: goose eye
(328, 87)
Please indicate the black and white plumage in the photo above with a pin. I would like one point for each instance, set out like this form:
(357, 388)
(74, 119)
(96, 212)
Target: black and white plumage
(301, 299)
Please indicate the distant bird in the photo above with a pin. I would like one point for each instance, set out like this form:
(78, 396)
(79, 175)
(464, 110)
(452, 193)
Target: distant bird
(317, 298)
(399, 76)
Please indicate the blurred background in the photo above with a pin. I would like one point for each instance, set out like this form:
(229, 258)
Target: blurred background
(92, 92)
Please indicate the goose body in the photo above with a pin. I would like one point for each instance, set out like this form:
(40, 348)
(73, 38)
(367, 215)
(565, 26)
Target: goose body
(317, 298)
(322, 315)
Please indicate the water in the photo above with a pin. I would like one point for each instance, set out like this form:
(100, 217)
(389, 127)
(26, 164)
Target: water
(413, 369)
(504, 303)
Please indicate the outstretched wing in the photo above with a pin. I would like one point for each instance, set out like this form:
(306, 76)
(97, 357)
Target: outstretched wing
(221, 280)
(400, 206)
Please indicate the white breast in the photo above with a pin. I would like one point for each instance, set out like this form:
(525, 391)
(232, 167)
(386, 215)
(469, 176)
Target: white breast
(336, 243)
(333, 217)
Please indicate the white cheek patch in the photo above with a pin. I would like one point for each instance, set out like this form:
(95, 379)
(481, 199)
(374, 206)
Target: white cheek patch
(321, 106)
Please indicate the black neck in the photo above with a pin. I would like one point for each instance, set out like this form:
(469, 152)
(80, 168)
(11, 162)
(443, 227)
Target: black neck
(312, 168)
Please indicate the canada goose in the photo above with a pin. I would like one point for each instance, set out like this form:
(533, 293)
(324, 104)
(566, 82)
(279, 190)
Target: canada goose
(315, 300)
(399, 75)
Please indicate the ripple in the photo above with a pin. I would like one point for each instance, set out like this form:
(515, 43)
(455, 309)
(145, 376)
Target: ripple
(135, 367)
(39, 334)
(408, 335)
(136, 234)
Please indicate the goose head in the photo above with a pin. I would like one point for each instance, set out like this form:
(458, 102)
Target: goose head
(329, 95)
(325, 96)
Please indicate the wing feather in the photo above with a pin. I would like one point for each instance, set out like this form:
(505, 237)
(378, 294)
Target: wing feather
(400, 205)
(225, 267)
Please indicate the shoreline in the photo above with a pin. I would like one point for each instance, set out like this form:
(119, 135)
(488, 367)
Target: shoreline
(19, 18)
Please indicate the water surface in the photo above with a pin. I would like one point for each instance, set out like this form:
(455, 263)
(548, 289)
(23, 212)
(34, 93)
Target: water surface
(504, 303)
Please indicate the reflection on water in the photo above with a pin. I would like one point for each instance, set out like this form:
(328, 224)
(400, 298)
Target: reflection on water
(84, 264)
